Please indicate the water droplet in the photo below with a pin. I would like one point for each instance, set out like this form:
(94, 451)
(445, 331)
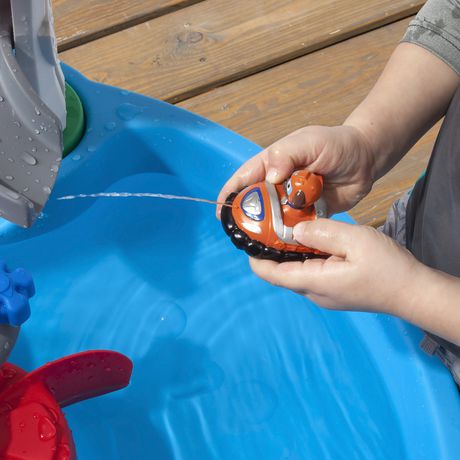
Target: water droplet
(46, 429)
(127, 111)
(9, 177)
(37, 111)
(124, 92)
(91, 148)
(37, 181)
(108, 369)
(37, 131)
(54, 168)
(13, 194)
(10, 160)
(168, 320)
(29, 139)
(47, 190)
(29, 159)
(25, 189)
(34, 149)
(2, 99)
(6, 345)
(76, 157)
(110, 126)
(16, 123)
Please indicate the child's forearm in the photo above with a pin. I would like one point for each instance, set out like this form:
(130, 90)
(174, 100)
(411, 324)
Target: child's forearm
(412, 93)
(432, 301)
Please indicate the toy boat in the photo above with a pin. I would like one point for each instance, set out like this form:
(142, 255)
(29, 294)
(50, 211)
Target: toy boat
(262, 217)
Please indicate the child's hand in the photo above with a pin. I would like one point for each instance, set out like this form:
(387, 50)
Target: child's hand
(340, 154)
(368, 271)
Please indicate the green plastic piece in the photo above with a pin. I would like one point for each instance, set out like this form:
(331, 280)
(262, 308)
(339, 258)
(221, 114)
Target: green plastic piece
(75, 120)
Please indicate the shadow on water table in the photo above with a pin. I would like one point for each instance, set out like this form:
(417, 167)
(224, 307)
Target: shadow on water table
(225, 366)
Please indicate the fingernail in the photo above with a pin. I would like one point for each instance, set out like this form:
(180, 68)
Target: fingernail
(299, 229)
(272, 175)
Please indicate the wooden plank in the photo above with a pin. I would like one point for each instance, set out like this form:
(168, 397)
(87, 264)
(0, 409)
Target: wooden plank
(80, 21)
(321, 88)
(211, 43)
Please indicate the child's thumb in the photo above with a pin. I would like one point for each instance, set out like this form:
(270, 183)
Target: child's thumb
(280, 164)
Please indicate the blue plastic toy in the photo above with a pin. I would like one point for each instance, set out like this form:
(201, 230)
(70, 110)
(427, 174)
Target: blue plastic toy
(225, 366)
(16, 288)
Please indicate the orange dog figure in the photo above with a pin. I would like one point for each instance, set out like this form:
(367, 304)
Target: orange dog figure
(299, 195)
(262, 217)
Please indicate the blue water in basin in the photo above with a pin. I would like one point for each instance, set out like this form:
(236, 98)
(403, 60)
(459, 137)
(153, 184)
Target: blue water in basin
(225, 366)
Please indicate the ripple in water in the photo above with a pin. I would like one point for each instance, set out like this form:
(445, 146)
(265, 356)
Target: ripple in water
(198, 378)
(167, 320)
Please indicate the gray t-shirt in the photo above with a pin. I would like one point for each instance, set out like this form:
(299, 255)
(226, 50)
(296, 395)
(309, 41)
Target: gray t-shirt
(433, 210)
(437, 28)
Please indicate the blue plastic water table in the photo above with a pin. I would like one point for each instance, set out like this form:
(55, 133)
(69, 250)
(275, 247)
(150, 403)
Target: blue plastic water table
(225, 365)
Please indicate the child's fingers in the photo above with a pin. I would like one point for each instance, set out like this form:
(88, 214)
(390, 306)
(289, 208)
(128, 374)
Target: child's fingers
(288, 154)
(326, 235)
(309, 276)
(250, 172)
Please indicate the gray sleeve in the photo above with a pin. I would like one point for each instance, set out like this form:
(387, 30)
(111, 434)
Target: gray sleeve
(437, 29)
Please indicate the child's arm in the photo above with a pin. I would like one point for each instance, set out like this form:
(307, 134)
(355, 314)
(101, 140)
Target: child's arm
(368, 271)
(412, 93)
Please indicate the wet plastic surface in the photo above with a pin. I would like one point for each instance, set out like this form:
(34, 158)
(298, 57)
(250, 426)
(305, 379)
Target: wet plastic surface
(225, 366)
(32, 425)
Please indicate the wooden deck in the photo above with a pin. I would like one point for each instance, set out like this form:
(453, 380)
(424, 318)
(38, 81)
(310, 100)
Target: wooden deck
(261, 68)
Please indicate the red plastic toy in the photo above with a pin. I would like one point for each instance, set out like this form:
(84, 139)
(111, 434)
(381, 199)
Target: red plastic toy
(32, 424)
(263, 215)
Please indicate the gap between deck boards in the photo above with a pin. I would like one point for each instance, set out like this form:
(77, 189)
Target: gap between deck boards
(212, 44)
(78, 38)
(283, 59)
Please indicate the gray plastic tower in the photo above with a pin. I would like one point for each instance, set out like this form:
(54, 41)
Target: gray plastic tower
(32, 109)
